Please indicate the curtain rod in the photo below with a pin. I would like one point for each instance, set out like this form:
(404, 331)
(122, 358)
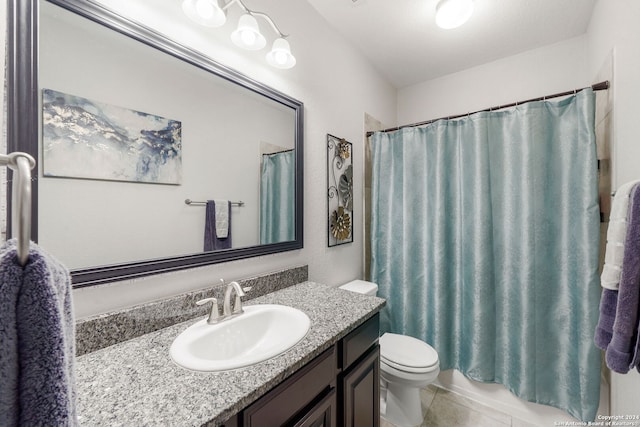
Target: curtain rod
(596, 87)
(279, 152)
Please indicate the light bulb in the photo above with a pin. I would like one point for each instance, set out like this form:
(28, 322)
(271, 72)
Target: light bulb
(204, 12)
(280, 55)
(248, 37)
(453, 13)
(204, 9)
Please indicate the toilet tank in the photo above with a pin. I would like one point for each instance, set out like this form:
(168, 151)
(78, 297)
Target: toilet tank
(361, 287)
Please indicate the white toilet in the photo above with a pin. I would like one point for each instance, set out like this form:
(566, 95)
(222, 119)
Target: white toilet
(407, 364)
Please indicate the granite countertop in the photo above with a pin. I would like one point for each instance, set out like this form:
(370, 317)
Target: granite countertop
(136, 382)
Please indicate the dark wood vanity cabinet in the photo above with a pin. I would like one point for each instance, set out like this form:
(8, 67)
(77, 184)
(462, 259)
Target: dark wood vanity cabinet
(361, 392)
(298, 398)
(321, 415)
(341, 387)
(359, 376)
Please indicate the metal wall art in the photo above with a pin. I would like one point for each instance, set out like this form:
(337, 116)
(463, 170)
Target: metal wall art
(340, 190)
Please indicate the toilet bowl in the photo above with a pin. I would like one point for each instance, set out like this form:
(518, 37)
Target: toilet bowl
(407, 365)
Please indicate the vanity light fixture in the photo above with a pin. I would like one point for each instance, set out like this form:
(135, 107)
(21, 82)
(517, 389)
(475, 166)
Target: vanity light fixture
(247, 35)
(204, 12)
(453, 13)
(280, 55)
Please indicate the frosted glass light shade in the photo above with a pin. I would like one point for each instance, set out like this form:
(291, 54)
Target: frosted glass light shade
(204, 12)
(453, 13)
(280, 55)
(247, 35)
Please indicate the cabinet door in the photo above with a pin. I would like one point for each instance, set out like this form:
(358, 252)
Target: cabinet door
(322, 415)
(231, 422)
(361, 392)
(282, 405)
(359, 341)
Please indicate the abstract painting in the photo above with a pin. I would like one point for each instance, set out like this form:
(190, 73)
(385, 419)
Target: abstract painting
(88, 139)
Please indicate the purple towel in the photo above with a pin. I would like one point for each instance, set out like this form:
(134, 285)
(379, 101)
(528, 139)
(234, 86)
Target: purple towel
(636, 357)
(211, 241)
(604, 330)
(621, 351)
(37, 341)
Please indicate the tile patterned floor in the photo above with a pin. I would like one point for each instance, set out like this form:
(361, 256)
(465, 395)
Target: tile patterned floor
(446, 409)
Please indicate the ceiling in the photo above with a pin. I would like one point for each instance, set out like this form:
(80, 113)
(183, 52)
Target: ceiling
(401, 40)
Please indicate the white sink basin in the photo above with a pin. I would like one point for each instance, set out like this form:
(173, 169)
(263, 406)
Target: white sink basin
(260, 333)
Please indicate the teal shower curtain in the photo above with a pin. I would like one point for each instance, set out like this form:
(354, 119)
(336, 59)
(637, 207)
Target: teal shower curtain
(485, 236)
(277, 197)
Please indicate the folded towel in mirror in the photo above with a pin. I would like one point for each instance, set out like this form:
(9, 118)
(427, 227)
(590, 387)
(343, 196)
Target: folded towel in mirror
(213, 239)
(222, 218)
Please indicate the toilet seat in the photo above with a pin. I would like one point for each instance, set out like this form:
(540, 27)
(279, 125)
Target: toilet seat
(407, 354)
(408, 369)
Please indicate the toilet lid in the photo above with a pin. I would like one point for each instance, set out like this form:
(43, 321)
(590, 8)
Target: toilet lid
(401, 351)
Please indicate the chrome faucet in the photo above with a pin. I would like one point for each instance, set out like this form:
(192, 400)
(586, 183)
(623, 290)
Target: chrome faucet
(237, 306)
(214, 314)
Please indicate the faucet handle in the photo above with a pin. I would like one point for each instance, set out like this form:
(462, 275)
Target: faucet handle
(214, 314)
(206, 300)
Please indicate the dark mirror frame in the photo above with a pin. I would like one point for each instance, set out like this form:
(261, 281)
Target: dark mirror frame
(23, 123)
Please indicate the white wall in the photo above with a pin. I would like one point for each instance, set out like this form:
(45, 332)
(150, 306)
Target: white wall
(337, 86)
(534, 73)
(614, 27)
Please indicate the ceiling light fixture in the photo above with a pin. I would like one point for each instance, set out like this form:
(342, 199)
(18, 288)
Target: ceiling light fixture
(247, 35)
(453, 13)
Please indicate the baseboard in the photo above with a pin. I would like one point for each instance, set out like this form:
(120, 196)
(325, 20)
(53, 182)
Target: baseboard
(498, 397)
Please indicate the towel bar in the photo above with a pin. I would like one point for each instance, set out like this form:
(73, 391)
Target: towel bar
(195, 203)
(21, 163)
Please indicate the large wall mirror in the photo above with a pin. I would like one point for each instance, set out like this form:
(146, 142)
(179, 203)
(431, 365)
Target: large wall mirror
(127, 125)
